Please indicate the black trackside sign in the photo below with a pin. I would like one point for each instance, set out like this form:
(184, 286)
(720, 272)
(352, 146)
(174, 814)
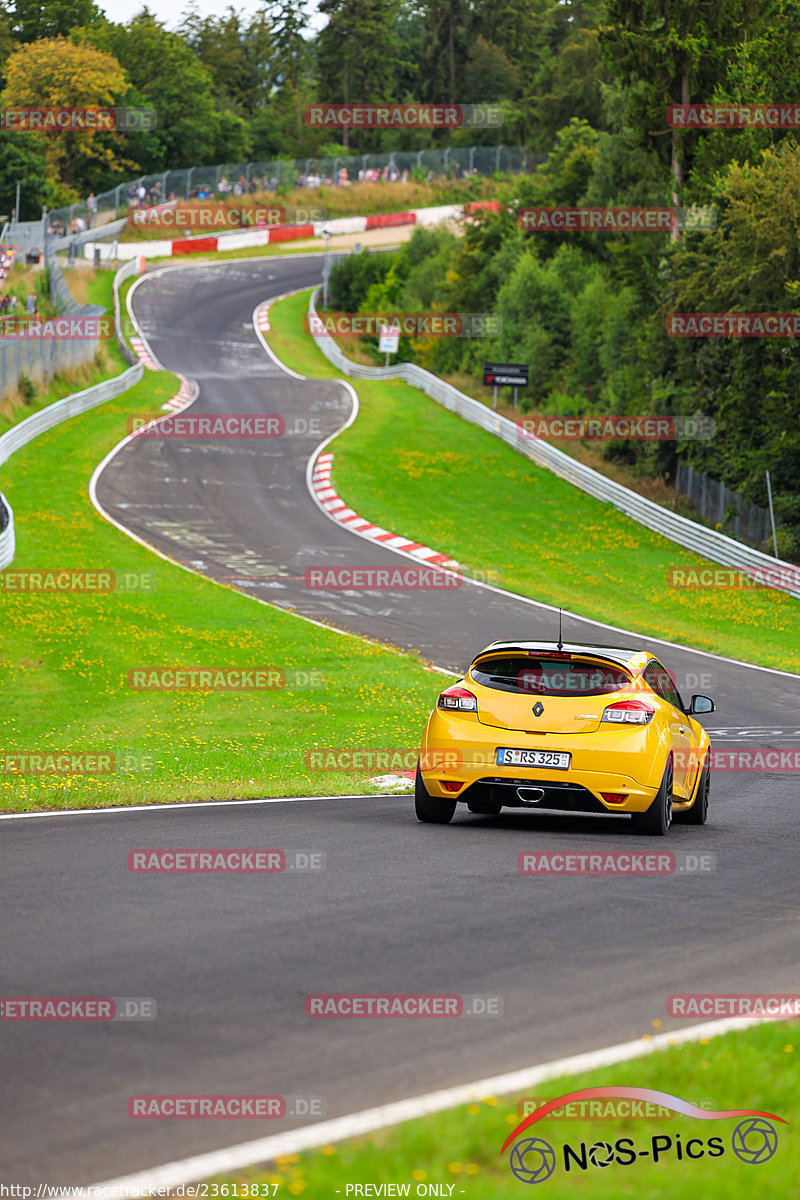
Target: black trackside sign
(505, 374)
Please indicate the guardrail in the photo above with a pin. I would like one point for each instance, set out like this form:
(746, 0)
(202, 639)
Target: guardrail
(47, 418)
(132, 267)
(7, 546)
(717, 547)
(111, 229)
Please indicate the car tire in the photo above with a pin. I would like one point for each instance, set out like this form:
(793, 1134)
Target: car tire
(698, 813)
(657, 819)
(433, 810)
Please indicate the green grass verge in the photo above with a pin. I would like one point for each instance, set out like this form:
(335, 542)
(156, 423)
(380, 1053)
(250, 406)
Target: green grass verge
(65, 658)
(758, 1068)
(410, 466)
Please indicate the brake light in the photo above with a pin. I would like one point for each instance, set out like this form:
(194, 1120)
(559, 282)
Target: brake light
(629, 712)
(614, 797)
(458, 699)
(452, 785)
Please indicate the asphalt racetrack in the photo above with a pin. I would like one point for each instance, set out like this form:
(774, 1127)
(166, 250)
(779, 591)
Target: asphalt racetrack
(579, 962)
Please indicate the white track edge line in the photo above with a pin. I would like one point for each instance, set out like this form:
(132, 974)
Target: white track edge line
(188, 805)
(263, 1150)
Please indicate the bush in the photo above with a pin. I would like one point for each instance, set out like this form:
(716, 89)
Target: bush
(26, 388)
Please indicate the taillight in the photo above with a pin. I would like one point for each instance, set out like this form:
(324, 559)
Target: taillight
(629, 712)
(458, 699)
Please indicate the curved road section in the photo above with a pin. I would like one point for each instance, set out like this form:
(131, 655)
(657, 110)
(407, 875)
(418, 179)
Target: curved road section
(576, 963)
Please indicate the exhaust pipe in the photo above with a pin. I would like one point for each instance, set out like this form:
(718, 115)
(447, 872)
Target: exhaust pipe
(530, 795)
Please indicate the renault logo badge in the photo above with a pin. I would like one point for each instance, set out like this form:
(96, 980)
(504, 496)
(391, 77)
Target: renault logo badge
(538, 708)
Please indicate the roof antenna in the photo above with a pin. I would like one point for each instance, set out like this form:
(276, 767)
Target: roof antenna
(560, 643)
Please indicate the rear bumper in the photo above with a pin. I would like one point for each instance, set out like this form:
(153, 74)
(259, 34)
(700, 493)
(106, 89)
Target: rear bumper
(623, 761)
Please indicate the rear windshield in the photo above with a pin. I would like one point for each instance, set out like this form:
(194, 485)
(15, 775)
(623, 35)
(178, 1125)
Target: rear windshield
(550, 676)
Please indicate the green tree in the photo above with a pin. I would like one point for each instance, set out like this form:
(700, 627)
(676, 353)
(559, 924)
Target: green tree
(357, 55)
(32, 20)
(23, 158)
(238, 55)
(678, 52)
(449, 26)
(291, 60)
(191, 129)
(763, 69)
(56, 73)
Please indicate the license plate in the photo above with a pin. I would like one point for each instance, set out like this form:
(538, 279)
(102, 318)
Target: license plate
(558, 760)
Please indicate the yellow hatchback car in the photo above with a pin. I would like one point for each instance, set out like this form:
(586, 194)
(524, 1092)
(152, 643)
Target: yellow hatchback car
(576, 728)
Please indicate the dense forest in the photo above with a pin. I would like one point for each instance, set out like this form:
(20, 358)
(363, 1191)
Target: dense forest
(231, 88)
(584, 86)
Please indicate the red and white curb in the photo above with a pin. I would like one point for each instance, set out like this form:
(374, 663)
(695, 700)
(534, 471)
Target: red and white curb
(262, 312)
(329, 499)
(144, 354)
(184, 397)
(404, 782)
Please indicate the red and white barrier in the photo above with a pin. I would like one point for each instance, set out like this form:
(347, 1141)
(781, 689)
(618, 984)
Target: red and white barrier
(203, 244)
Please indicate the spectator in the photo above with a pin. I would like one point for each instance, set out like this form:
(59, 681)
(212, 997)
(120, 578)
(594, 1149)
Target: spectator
(91, 209)
(30, 303)
(141, 193)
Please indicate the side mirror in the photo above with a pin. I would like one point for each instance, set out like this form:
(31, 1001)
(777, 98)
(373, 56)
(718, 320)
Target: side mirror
(701, 704)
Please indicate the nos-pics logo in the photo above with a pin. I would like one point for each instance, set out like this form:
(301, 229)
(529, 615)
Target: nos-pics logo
(754, 1140)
